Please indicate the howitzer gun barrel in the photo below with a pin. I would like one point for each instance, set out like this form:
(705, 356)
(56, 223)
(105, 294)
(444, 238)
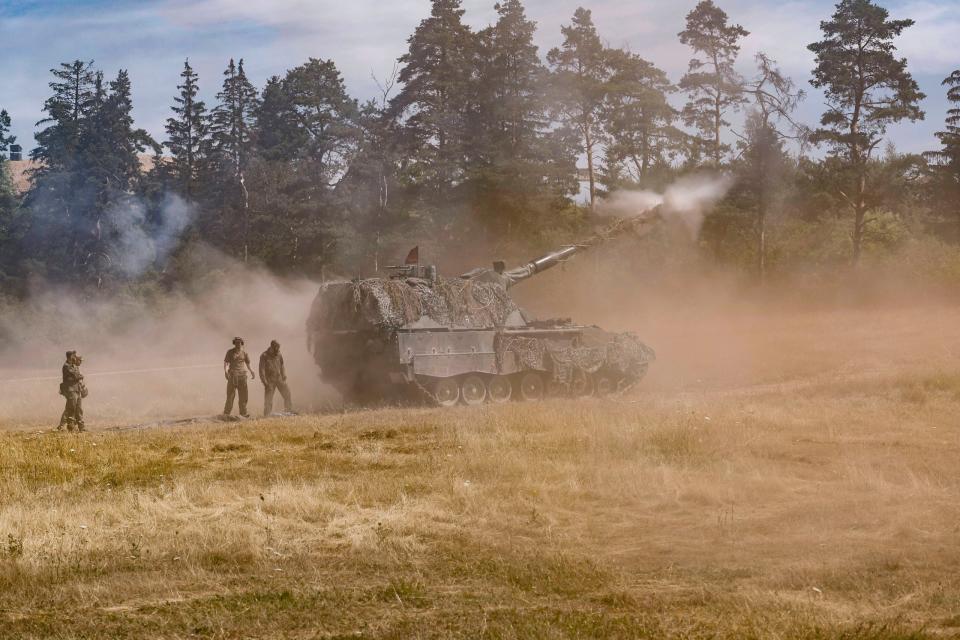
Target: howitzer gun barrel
(546, 261)
(542, 263)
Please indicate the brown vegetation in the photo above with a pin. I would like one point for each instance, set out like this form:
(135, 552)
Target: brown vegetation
(804, 486)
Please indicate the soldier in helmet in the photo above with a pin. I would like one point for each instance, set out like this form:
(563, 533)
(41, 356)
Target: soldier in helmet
(233, 365)
(273, 375)
(73, 389)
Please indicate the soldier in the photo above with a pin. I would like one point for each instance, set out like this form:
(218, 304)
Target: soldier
(233, 364)
(273, 375)
(73, 389)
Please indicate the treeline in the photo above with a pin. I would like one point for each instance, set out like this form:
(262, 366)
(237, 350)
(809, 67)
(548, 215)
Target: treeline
(476, 138)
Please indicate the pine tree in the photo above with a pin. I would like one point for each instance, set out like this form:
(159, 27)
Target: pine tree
(308, 135)
(279, 136)
(867, 88)
(80, 196)
(436, 73)
(712, 82)
(581, 77)
(326, 117)
(5, 138)
(8, 199)
(639, 118)
(517, 169)
(126, 141)
(233, 119)
(232, 125)
(512, 77)
(57, 143)
(110, 167)
(7, 196)
(60, 199)
(946, 160)
(187, 133)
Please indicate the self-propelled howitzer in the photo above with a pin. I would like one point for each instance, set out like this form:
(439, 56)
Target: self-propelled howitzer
(464, 339)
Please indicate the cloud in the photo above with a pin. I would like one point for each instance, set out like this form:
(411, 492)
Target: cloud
(366, 36)
(931, 44)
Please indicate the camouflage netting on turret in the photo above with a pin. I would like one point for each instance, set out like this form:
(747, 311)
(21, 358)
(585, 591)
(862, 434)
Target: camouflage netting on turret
(391, 304)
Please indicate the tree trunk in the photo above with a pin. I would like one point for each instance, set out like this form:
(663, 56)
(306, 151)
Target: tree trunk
(857, 236)
(860, 213)
(588, 144)
(762, 243)
(860, 163)
(716, 133)
(246, 217)
(717, 112)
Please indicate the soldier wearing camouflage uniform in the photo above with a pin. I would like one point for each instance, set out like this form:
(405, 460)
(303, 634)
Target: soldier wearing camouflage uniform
(273, 375)
(72, 388)
(233, 365)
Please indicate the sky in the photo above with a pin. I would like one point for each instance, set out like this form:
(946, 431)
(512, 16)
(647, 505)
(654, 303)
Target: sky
(151, 39)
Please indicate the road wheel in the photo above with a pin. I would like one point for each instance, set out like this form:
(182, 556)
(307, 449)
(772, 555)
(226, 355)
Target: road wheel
(604, 385)
(446, 391)
(582, 384)
(531, 386)
(499, 389)
(473, 390)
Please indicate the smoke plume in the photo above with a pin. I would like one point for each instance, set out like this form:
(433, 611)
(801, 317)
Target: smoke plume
(142, 242)
(687, 200)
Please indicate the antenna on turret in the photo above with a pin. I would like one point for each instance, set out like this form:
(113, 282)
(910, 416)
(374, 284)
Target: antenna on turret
(411, 267)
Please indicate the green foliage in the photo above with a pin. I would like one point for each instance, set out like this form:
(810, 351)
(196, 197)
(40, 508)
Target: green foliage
(472, 146)
(581, 76)
(437, 73)
(867, 88)
(8, 199)
(5, 138)
(714, 86)
(945, 162)
(187, 138)
(643, 140)
(521, 172)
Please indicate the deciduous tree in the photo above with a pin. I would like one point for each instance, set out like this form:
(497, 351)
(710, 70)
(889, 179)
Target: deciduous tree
(774, 99)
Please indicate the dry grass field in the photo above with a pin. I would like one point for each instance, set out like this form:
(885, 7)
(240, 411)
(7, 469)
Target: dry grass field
(791, 478)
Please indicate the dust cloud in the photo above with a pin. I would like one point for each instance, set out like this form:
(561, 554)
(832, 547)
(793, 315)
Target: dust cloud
(716, 332)
(159, 358)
